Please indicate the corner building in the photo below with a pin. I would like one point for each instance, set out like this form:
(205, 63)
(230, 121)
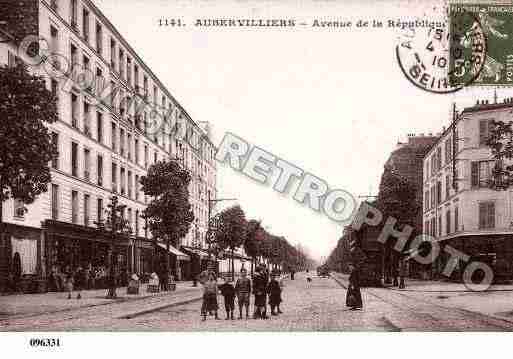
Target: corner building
(106, 144)
(459, 207)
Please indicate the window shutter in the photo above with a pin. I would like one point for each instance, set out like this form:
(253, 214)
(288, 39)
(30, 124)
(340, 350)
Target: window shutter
(456, 219)
(474, 176)
(484, 126)
(491, 215)
(482, 215)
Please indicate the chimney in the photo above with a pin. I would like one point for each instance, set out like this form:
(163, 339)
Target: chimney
(443, 129)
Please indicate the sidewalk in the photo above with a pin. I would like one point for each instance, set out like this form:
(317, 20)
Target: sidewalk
(496, 302)
(26, 305)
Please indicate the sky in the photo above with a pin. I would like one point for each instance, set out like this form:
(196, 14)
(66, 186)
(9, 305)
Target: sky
(332, 101)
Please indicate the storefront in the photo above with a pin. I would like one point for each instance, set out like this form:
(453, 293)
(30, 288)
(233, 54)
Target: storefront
(144, 257)
(177, 259)
(69, 246)
(21, 269)
(198, 263)
(496, 250)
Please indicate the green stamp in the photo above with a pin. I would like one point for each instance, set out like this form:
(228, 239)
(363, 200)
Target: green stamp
(481, 33)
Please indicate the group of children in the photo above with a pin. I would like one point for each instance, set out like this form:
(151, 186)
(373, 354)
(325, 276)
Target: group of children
(261, 287)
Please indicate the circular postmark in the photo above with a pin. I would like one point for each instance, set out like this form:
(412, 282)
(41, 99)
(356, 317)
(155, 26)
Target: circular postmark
(443, 59)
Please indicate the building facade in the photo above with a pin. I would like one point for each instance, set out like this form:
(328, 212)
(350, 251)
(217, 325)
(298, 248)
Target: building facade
(116, 118)
(459, 207)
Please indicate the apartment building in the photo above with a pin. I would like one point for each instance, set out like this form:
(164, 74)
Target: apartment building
(106, 138)
(459, 207)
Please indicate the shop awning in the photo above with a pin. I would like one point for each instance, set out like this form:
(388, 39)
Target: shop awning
(180, 255)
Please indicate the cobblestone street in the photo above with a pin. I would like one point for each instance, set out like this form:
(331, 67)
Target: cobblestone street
(318, 305)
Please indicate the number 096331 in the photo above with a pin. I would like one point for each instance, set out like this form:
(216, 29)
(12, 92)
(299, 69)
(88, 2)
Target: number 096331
(44, 342)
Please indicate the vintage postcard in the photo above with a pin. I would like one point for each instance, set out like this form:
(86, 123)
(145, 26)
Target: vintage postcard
(255, 166)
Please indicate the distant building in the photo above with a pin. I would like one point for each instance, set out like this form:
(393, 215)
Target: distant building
(459, 207)
(407, 162)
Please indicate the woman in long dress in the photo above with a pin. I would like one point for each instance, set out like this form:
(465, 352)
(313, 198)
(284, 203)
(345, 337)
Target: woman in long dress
(354, 296)
(210, 292)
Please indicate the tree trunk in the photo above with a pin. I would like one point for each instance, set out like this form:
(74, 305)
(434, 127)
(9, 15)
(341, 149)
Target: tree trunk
(111, 294)
(252, 265)
(166, 275)
(233, 266)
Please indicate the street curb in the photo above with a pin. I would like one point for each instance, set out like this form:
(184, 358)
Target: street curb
(156, 309)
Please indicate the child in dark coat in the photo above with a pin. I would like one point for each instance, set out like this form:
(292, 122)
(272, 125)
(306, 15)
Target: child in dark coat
(274, 290)
(228, 291)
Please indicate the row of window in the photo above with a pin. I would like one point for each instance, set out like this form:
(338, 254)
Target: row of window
(433, 227)
(486, 220)
(123, 142)
(481, 176)
(99, 82)
(433, 196)
(126, 176)
(434, 163)
(84, 202)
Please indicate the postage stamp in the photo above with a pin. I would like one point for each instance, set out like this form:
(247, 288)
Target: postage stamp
(443, 59)
(494, 23)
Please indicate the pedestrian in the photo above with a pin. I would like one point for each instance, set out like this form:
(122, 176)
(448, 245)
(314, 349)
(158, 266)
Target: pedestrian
(402, 272)
(209, 297)
(243, 291)
(260, 292)
(282, 284)
(79, 281)
(16, 272)
(274, 290)
(292, 274)
(228, 292)
(164, 278)
(354, 296)
(69, 281)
